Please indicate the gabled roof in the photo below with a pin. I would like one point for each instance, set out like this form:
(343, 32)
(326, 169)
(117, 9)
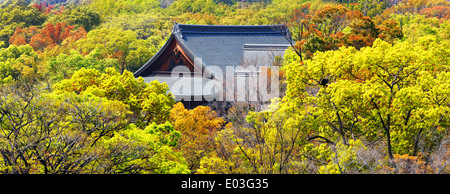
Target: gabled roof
(220, 45)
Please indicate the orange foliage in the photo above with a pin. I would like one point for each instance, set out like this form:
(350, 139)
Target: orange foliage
(18, 38)
(324, 29)
(197, 127)
(331, 19)
(406, 164)
(425, 7)
(48, 36)
(440, 12)
(390, 30)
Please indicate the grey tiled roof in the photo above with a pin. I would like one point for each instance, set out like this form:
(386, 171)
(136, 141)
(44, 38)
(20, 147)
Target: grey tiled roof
(220, 45)
(223, 45)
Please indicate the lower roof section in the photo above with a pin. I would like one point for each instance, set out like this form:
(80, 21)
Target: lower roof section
(189, 88)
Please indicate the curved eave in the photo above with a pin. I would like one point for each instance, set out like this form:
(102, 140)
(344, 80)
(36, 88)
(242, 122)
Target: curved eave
(154, 58)
(190, 54)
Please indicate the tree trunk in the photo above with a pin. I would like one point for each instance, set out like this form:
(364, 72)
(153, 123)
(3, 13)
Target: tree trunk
(416, 143)
(365, 8)
(389, 147)
(386, 126)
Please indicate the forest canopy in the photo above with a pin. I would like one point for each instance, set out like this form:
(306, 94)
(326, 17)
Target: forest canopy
(365, 89)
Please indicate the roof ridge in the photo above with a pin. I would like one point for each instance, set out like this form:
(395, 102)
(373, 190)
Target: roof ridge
(223, 29)
(228, 25)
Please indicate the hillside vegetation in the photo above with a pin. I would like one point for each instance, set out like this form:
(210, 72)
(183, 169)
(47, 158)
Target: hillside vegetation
(365, 89)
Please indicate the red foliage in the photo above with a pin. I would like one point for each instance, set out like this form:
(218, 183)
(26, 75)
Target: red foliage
(331, 19)
(364, 31)
(18, 38)
(390, 30)
(48, 36)
(324, 29)
(47, 9)
(41, 6)
(440, 12)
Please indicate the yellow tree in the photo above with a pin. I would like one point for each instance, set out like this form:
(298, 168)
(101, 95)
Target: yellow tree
(197, 127)
(395, 92)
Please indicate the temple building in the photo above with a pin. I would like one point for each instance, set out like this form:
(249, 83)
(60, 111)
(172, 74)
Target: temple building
(198, 60)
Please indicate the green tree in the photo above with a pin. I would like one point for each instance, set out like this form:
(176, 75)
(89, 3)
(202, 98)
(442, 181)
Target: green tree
(384, 80)
(67, 133)
(148, 102)
(116, 7)
(143, 151)
(48, 134)
(278, 136)
(78, 16)
(19, 63)
(145, 25)
(203, 6)
(415, 26)
(124, 46)
(63, 66)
